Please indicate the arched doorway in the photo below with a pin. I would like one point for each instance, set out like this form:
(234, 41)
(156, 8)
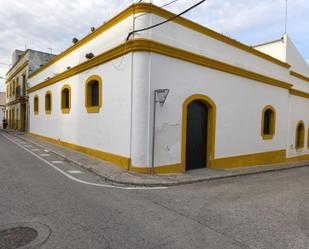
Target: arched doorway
(198, 131)
(196, 146)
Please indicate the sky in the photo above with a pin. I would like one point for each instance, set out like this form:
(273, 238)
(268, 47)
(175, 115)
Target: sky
(47, 25)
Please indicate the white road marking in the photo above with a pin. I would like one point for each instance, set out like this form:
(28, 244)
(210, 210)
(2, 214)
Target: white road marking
(46, 150)
(78, 180)
(44, 155)
(56, 162)
(75, 172)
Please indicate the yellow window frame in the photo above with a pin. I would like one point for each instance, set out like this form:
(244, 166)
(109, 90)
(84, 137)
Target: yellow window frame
(36, 105)
(302, 135)
(48, 111)
(89, 108)
(272, 122)
(65, 110)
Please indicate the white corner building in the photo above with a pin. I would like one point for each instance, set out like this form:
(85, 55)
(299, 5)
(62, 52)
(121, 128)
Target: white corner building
(229, 105)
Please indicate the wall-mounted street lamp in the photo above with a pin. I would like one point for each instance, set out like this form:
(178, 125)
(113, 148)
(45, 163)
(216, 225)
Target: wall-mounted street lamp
(159, 96)
(3, 78)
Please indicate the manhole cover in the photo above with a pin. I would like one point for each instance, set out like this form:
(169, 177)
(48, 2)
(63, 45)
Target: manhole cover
(16, 237)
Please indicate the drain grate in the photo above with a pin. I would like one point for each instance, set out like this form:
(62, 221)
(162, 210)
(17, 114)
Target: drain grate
(13, 238)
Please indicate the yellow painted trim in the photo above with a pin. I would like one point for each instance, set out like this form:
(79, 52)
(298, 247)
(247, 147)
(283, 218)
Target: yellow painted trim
(159, 48)
(89, 108)
(211, 132)
(48, 112)
(166, 169)
(299, 93)
(16, 101)
(272, 123)
(302, 135)
(121, 161)
(133, 9)
(17, 71)
(65, 110)
(299, 76)
(213, 34)
(308, 138)
(36, 108)
(298, 158)
(257, 159)
(150, 8)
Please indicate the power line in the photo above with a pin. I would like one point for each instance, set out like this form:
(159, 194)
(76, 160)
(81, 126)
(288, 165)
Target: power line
(167, 4)
(166, 21)
(286, 17)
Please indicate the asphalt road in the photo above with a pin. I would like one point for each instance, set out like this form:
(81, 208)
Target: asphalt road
(266, 211)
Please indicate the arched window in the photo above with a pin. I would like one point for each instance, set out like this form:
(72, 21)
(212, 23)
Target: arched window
(36, 104)
(48, 102)
(66, 99)
(300, 135)
(93, 94)
(268, 122)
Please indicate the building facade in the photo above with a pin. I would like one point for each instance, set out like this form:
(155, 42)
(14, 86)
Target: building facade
(24, 63)
(229, 105)
(2, 107)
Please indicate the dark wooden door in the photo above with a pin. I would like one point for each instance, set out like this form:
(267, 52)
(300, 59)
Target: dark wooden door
(196, 144)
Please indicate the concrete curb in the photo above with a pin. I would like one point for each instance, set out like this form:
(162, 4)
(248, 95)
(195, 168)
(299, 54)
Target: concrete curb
(225, 174)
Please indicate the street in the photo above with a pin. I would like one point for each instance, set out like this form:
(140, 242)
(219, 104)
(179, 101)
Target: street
(81, 210)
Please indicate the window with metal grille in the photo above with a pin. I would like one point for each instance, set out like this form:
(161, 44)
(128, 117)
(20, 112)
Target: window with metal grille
(93, 94)
(36, 105)
(48, 102)
(65, 98)
(300, 135)
(268, 122)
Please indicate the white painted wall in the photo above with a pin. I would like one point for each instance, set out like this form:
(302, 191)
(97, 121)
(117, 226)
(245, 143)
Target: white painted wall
(239, 105)
(108, 130)
(298, 111)
(105, 41)
(179, 36)
(239, 100)
(276, 49)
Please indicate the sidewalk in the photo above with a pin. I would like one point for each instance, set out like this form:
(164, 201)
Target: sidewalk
(117, 175)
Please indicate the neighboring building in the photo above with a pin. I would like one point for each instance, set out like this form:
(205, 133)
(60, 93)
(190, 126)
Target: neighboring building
(24, 63)
(2, 106)
(230, 105)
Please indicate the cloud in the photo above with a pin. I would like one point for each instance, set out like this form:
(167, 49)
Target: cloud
(53, 23)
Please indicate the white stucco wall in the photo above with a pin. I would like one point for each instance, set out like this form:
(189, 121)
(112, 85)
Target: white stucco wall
(179, 36)
(124, 124)
(103, 42)
(108, 130)
(298, 111)
(276, 49)
(239, 105)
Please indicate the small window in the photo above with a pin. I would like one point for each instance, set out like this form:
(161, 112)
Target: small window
(36, 105)
(24, 84)
(268, 122)
(14, 86)
(93, 94)
(308, 138)
(66, 99)
(300, 135)
(48, 102)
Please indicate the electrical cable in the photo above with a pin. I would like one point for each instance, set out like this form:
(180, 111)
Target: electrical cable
(166, 21)
(167, 4)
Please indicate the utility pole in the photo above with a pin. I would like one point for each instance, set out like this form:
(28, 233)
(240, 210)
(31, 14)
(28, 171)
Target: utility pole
(286, 18)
